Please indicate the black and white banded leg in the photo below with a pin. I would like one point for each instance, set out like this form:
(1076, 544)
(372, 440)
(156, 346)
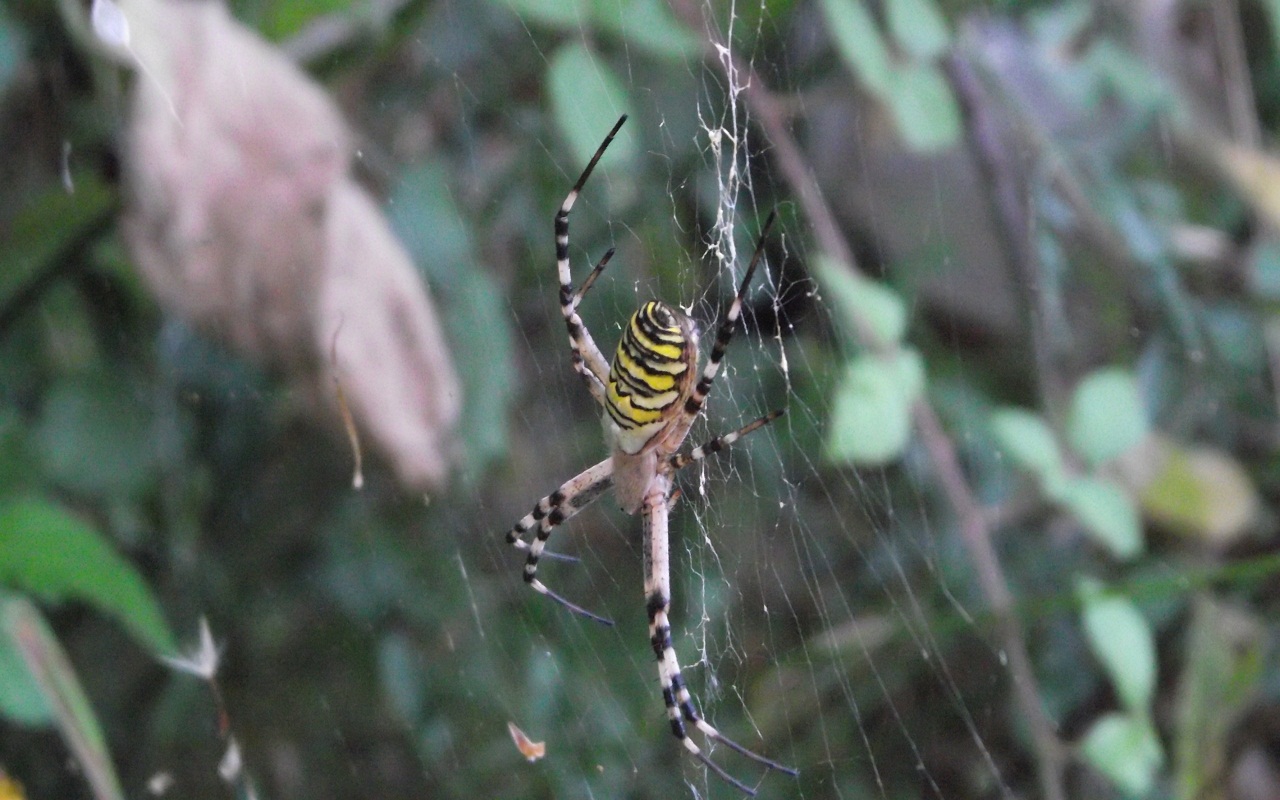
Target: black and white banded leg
(550, 512)
(681, 460)
(681, 711)
(724, 334)
(588, 361)
(585, 488)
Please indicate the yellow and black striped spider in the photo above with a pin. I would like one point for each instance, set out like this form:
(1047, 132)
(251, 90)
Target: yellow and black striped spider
(650, 400)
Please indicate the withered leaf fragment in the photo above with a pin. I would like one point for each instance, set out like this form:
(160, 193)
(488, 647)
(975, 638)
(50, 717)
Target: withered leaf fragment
(244, 220)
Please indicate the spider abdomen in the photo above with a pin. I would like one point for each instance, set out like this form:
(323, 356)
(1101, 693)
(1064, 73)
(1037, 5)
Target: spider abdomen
(651, 375)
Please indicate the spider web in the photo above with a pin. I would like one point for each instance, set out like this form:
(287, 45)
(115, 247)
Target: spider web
(734, 152)
(785, 569)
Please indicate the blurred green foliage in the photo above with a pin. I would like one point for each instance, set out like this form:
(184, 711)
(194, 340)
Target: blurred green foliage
(1103, 391)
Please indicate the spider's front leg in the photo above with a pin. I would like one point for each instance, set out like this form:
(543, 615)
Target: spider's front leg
(657, 592)
(588, 361)
(697, 399)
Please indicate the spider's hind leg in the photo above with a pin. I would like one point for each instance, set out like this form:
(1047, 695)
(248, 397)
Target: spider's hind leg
(657, 589)
(679, 702)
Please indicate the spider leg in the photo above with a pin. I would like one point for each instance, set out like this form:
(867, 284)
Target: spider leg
(551, 511)
(588, 361)
(575, 494)
(657, 590)
(553, 501)
(681, 460)
(591, 279)
(698, 397)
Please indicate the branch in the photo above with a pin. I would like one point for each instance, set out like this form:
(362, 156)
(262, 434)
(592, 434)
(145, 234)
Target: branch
(62, 260)
(1008, 202)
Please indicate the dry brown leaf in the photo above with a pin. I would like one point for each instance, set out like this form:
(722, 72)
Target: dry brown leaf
(390, 350)
(528, 748)
(243, 219)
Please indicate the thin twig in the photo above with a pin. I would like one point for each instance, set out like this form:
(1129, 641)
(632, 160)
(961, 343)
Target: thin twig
(63, 260)
(1236, 81)
(976, 536)
(804, 184)
(1066, 179)
(974, 531)
(1014, 226)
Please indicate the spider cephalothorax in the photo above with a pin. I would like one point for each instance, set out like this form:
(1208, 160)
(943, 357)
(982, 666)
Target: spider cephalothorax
(650, 400)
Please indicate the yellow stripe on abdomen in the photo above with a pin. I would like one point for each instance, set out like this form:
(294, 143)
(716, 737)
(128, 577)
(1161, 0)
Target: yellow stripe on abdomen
(648, 377)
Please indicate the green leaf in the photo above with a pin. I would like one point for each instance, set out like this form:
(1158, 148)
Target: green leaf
(1121, 639)
(648, 25)
(857, 299)
(919, 27)
(586, 99)
(95, 437)
(564, 14)
(1106, 512)
(21, 699)
(860, 44)
(1225, 664)
(645, 24)
(12, 49)
(52, 554)
(22, 624)
(479, 318)
(1109, 72)
(427, 220)
(1107, 416)
(918, 97)
(924, 108)
(871, 411)
(1026, 439)
(286, 19)
(1272, 7)
(1126, 749)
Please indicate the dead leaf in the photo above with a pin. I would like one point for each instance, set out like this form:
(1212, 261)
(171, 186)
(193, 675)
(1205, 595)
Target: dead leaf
(391, 352)
(244, 220)
(529, 749)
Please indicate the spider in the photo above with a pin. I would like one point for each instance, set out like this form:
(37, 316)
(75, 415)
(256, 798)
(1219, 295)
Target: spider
(650, 399)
